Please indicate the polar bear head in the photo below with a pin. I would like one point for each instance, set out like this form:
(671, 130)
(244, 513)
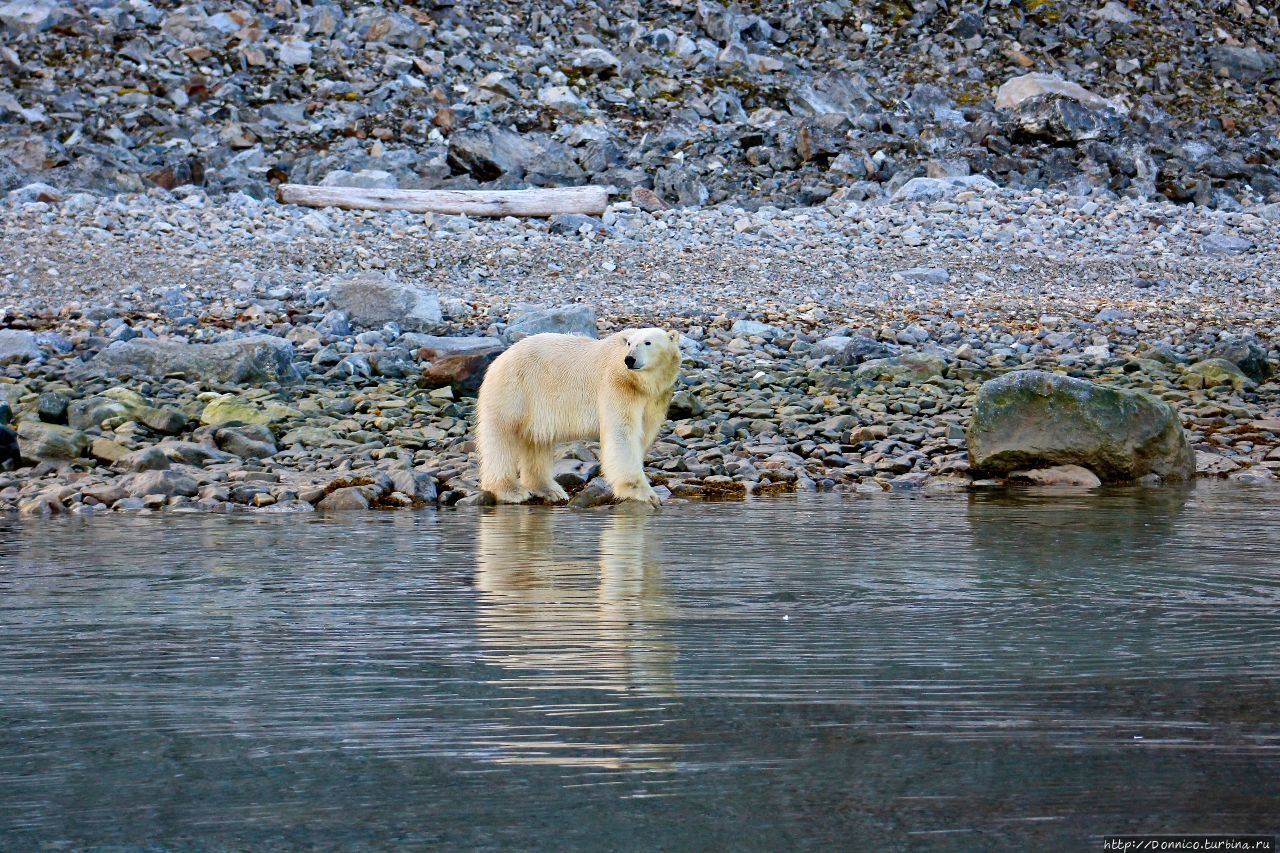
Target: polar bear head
(651, 349)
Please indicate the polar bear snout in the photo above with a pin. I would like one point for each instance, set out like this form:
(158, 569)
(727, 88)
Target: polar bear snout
(630, 361)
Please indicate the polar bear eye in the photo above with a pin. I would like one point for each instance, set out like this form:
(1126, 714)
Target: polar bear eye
(648, 343)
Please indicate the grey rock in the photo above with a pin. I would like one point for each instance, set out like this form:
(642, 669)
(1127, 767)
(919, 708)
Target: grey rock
(145, 459)
(437, 346)
(1032, 419)
(753, 327)
(1224, 244)
(492, 152)
(418, 485)
(564, 319)
(162, 421)
(29, 16)
(1060, 119)
(685, 404)
(51, 407)
(597, 61)
(251, 441)
(18, 346)
(934, 189)
(168, 482)
(1246, 353)
(1242, 63)
(348, 498)
(847, 350)
(574, 223)
(926, 275)
(596, 493)
(249, 360)
(192, 453)
(371, 300)
(1115, 12)
(367, 179)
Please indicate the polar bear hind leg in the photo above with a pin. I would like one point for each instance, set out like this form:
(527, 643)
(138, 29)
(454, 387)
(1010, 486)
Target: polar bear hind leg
(500, 458)
(535, 472)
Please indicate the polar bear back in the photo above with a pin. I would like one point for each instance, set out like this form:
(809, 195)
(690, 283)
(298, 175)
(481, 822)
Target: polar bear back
(546, 388)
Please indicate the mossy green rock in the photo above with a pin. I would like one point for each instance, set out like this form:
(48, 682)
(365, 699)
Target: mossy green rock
(1033, 419)
(94, 411)
(912, 366)
(1218, 371)
(39, 440)
(229, 408)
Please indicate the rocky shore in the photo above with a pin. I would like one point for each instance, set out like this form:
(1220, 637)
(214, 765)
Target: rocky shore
(696, 102)
(182, 352)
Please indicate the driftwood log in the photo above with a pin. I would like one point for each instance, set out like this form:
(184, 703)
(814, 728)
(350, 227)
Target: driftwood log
(533, 202)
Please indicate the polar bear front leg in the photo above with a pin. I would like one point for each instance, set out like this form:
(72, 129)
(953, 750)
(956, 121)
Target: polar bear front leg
(622, 457)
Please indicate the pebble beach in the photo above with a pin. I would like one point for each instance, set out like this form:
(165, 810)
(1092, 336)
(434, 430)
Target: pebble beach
(830, 348)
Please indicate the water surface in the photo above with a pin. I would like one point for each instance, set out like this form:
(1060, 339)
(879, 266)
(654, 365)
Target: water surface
(985, 672)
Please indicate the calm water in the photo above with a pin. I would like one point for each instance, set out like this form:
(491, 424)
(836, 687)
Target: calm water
(962, 673)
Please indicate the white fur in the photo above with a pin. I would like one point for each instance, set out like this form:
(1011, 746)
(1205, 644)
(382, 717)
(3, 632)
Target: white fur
(550, 388)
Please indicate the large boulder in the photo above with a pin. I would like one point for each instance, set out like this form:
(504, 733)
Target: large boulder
(1034, 419)
(1061, 120)
(565, 320)
(372, 300)
(491, 152)
(250, 360)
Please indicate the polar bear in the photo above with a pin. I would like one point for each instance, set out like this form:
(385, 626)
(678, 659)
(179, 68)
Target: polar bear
(549, 388)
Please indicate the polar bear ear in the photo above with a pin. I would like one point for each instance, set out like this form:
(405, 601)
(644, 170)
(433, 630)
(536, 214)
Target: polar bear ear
(675, 337)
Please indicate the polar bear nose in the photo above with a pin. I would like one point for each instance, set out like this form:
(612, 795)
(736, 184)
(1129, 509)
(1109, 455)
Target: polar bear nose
(630, 361)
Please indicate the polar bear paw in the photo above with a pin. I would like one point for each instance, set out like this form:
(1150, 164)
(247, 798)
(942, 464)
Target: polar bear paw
(643, 493)
(552, 493)
(512, 495)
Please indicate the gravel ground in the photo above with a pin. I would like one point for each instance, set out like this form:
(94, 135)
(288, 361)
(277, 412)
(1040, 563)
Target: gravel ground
(983, 280)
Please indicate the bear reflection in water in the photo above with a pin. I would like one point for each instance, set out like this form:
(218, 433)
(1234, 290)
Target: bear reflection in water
(566, 612)
(578, 623)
